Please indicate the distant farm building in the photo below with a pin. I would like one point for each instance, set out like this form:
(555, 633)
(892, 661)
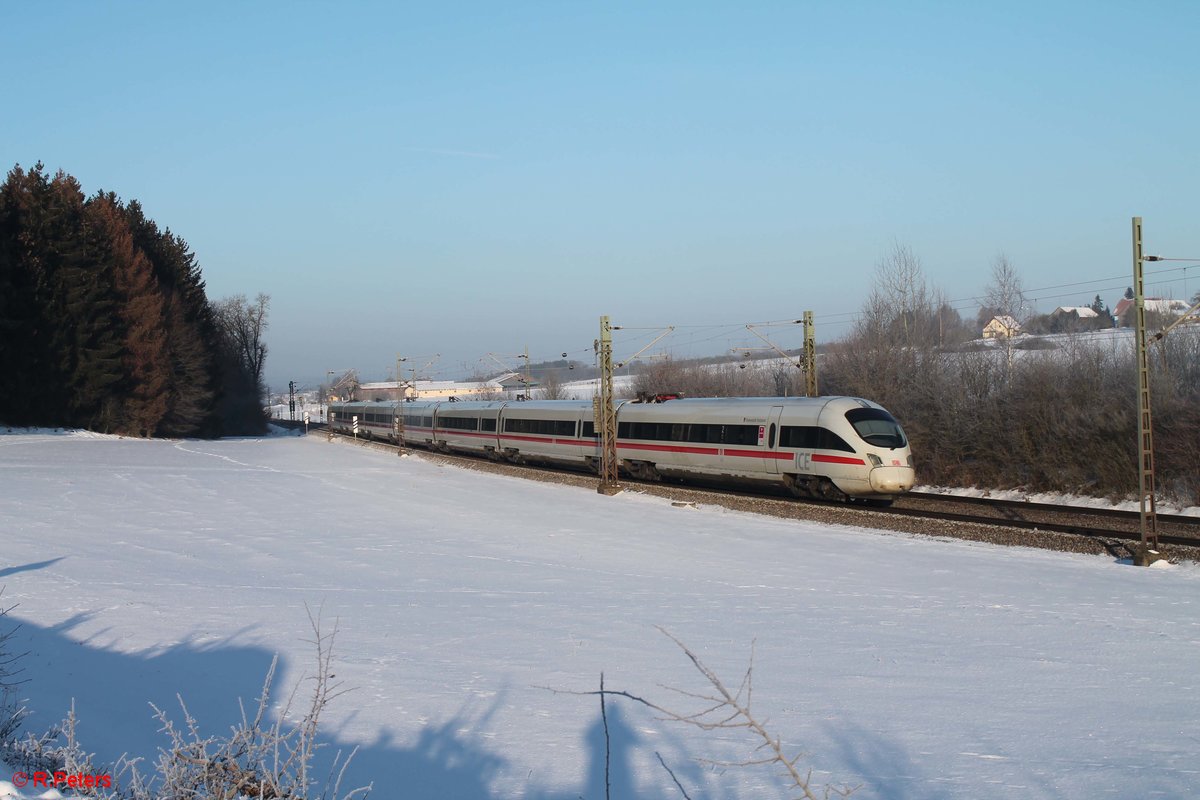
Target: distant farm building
(1076, 312)
(501, 387)
(1001, 327)
(1154, 305)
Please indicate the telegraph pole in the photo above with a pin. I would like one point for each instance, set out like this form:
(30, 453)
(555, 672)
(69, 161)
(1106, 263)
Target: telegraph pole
(528, 383)
(1147, 552)
(398, 413)
(607, 418)
(810, 356)
(328, 416)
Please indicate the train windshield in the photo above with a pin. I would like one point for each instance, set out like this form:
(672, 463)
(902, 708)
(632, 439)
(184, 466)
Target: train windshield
(877, 427)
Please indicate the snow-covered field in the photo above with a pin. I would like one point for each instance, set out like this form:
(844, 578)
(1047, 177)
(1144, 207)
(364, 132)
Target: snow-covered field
(917, 668)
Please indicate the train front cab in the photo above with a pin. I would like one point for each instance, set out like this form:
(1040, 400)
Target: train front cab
(887, 449)
(877, 443)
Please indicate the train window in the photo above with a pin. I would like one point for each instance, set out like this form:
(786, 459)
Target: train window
(544, 427)
(704, 434)
(741, 434)
(805, 437)
(589, 431)
(459, 423)
(489, 425)
(876, 427)
(652, 431)
(828, 440)
(771, 436)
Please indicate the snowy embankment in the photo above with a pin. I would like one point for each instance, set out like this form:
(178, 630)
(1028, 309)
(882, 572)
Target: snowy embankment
(914, 667)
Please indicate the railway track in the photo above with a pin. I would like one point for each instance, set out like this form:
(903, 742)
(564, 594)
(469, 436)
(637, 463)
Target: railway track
(1099, 523)
(1011, 522)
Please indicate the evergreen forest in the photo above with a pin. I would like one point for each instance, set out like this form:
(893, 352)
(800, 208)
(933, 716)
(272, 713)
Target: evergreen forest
(104, 321)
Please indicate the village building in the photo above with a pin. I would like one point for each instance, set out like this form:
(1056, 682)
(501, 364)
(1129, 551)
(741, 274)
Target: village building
(503, 387)
(1001, 327)
(1154, 305)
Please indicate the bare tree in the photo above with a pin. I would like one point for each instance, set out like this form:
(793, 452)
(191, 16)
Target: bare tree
(244, 323)
(552, 386)
(1005, 295)
(902, 309)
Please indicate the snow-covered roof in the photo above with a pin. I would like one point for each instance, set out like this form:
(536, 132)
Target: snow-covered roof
(1004, 321)
(433, 386)
(1157, 305)
(1083, 312)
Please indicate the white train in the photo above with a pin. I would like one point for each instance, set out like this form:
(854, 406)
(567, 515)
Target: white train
(824, 447)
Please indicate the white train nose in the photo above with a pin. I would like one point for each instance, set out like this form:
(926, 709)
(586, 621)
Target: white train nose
(889, 480)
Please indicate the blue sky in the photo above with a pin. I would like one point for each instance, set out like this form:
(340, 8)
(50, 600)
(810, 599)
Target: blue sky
(464, 178)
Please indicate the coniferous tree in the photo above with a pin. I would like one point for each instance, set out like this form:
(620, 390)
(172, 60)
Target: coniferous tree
(104, 322)
(18, 309)
(193, 381)
(30, 374)
(143, 395)
(86, 326)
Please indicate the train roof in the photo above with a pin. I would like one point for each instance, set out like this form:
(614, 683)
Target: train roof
(806, 402)
(710, 403)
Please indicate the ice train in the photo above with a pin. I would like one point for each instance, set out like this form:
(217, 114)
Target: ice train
(840, 448)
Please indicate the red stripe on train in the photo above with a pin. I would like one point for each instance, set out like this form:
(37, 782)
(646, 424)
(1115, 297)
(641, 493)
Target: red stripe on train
(838, 460)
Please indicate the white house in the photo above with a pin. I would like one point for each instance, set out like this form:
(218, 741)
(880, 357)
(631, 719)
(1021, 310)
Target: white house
(1001, 327)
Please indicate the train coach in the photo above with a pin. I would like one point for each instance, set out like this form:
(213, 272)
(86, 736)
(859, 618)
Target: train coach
(837, 448)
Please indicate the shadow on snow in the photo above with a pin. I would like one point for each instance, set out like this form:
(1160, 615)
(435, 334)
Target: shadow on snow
(113, 691)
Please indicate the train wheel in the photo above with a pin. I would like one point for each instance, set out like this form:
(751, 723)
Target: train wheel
(643, 470)
(876, 502)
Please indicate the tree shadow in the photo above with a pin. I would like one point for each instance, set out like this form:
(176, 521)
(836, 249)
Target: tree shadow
(112, 691)
(893, 773)
(4, 573)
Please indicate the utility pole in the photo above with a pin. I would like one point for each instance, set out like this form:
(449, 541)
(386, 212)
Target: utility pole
(328, 416)
(398, 411)
(1147, 551)
(528, 393)
(292, 400)
(607, 419)
(810, 356)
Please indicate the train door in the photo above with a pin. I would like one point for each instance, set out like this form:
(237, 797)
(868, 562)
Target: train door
(771, 441)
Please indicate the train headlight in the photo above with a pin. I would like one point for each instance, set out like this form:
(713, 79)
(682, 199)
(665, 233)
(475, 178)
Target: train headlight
(875, 460)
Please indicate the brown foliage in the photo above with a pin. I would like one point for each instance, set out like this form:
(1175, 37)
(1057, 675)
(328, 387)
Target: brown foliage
(141, 307)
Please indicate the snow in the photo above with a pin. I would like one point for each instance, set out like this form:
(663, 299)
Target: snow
(918, 668)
